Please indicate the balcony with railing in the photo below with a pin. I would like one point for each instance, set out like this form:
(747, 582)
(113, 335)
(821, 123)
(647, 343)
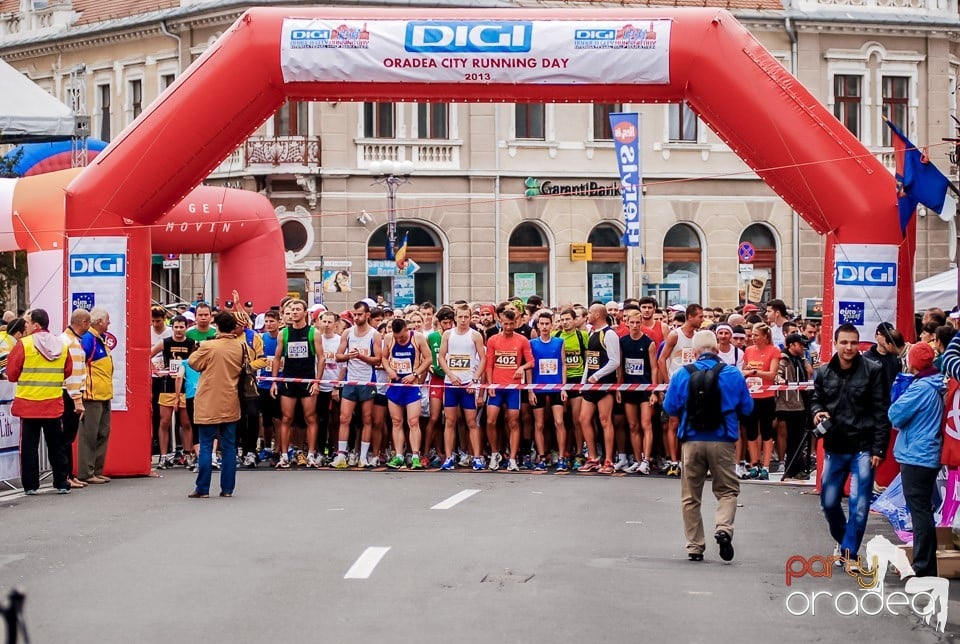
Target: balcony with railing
(272, 155)
(426, 154)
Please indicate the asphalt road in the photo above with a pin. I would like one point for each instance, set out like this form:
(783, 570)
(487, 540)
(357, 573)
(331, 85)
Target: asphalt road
(528, 558)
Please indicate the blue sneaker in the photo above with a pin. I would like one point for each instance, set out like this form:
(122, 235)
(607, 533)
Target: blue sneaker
(562, 465)
(450, 464)
(541, 466)
(478, 464)
(528, 462)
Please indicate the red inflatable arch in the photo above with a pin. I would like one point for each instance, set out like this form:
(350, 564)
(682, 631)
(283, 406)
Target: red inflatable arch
(703, 56)
(239, 225)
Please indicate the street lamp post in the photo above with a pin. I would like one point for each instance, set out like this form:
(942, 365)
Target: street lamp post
(391, 175)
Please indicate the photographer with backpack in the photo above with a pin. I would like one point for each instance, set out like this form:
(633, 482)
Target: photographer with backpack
(709, 397)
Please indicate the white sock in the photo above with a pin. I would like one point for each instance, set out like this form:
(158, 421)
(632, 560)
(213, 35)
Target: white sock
(364, 449)
(342, 447)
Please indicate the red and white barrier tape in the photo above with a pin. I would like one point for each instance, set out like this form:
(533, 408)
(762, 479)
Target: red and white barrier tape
(800, 386)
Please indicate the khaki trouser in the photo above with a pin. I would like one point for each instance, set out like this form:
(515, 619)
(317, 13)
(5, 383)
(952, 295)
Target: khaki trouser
(92, 443)
(698, 457)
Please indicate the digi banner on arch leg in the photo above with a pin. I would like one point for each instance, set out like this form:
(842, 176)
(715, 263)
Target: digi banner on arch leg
(9, 434)
(865, 278)
(97, 274)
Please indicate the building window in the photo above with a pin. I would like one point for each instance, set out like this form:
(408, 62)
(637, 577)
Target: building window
(847, 96)
(291, 119)
(424, 248)
(529, 259)
(103, 110)
(601, 120)
(379, 121)
(530, 121)
(166, 81)
(896, 100)
(682, 123)
(433, 120)
(606, 272)
(295, 236)
(760, 284)
(136, 98)
(681, 265)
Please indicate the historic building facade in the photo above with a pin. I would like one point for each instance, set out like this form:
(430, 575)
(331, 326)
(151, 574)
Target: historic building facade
(498, 193)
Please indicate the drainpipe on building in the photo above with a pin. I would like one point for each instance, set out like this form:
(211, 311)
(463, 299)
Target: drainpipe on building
(496, 204)
(792, 34)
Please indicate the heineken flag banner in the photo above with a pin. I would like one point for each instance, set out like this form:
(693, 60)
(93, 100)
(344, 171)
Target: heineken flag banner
(626, 141)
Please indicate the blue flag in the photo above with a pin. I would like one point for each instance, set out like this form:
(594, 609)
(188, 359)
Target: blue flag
(626, 143)
(918, 182)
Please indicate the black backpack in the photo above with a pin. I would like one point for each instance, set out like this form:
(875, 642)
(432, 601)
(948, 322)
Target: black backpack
(704, 410)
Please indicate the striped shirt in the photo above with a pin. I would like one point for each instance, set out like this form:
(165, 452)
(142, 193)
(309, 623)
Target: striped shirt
(77, 382)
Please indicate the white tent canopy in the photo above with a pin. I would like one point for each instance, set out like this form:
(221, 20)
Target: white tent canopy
(28, 114)
(938, 291)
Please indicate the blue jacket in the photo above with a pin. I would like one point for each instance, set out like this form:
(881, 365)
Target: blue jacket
(735, 401)
(918, 414)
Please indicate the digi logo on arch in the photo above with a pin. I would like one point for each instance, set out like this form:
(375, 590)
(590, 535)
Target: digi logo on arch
(98, 265)
(450, 37)
(866, 274)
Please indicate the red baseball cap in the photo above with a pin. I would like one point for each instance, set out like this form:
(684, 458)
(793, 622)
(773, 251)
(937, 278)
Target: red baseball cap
(750, 308)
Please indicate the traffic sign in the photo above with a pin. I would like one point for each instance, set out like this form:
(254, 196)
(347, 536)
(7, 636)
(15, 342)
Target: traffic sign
(746, 252)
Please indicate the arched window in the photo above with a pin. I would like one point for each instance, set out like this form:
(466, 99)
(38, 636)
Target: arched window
(606, 272)
(682, 258)
(759, 284)
(529, 261)
(424, 248)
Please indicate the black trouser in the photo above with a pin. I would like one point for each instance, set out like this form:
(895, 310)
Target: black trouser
(71, 425)
(918, 485)
(795, 460)
(323, 422)
(249, 425)
(30, 430)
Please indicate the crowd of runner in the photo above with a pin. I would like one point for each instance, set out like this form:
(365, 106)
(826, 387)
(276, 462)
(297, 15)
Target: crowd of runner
(485, 386)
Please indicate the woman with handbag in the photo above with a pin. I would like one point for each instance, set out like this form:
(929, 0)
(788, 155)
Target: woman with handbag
(217, 404)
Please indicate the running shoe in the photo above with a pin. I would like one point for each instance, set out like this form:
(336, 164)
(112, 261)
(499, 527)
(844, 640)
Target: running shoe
(283, 463)
(527, 462)
(302, 459)
(465, 459)
(495, 459)
(478, 464)
(352, 459)
(738, 470)
(764, 474)
(435, 461)
(673, 470)
(215, 462)
(396, 462)
(752, 474)
(577, 463)
(339, 461)
(449, 465)
(633, 468)
(373, 461)
(312, 460)
(562, 464)
(590, 465)
(607, 468)
(512, 465)
(250, 460)
(837, 556)
(621, 464)
(415, 463)
(644, 467)
(541, 466)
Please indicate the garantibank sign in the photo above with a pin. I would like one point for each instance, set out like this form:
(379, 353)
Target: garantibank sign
(534, 187)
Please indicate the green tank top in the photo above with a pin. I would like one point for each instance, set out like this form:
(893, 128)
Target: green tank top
(433, 341)
(574, 351)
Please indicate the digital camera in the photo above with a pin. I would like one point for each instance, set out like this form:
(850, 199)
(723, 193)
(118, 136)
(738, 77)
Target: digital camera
(823, 428)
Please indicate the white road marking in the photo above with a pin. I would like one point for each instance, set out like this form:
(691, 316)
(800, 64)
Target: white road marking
(363, 567)
(334, 509)
(634, 522)
(699, 592)
(455, 499)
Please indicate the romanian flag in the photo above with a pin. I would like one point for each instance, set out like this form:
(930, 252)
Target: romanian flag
(918, 182)
(401, 253)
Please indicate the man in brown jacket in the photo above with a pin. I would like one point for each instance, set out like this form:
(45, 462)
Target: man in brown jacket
(217, 404)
